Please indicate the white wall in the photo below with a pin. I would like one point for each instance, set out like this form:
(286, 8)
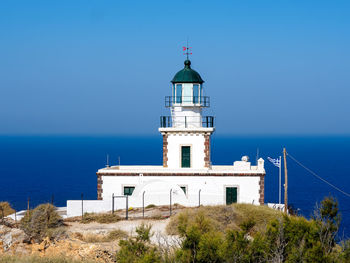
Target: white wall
(74, 207)
(176, 140)
(212, 189)
(157, 192)
(193, 117)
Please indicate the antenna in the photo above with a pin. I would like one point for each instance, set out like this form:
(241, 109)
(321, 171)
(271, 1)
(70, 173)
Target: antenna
(107, 164)
(119, 160)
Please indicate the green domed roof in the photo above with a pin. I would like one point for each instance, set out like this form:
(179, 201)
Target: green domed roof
(187, 75)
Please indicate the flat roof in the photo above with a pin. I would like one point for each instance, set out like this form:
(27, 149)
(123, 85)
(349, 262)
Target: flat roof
(155, 169)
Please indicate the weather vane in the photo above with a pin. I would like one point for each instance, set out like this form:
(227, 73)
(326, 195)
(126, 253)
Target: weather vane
(187, 50)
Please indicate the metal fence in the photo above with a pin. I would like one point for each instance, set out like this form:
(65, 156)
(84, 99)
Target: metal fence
(183, 101)
(187, 121)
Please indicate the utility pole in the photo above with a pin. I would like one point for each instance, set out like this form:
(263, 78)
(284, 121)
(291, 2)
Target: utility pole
(279, 181)
(285, 181)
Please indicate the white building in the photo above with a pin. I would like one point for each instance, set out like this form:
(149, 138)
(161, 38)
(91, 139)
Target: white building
(187, 176)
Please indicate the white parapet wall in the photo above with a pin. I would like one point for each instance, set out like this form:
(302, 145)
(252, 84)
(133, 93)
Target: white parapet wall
(211, 190)
(186, 186)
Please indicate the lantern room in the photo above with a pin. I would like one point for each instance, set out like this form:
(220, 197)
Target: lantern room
(187, 89)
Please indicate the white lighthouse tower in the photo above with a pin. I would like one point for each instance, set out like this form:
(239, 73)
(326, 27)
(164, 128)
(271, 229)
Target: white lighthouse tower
(187, 176)
(186, 132)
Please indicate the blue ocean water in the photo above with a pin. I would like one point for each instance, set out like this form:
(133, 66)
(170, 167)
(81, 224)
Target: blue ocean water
(65, 166)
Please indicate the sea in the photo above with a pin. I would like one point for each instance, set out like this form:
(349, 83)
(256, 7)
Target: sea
(60, 168)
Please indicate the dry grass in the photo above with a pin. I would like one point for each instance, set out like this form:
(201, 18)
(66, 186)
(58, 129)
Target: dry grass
(8, 210)
(100, 218)
(224, 217)
(98, 238)
(37, 259)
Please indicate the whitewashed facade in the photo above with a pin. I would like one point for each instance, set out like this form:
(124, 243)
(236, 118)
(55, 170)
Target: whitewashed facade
(187, 176)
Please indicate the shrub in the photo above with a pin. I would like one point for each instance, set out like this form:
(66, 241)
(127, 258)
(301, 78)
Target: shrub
(100, 218)
(229, 217)
(37, 259)
(42, 222)
(117, 234)
(96, 238)
(6, 208)
(138, 249)
(151, 206)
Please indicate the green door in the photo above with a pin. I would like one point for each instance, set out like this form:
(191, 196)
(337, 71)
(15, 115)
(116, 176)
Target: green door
(185, 156)
(231, 195)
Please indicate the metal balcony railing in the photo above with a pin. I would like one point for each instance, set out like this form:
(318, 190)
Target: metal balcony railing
(186, 122)
(189, 101)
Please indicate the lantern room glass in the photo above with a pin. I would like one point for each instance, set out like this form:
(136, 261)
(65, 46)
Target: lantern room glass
(178, 93)
(196, 98)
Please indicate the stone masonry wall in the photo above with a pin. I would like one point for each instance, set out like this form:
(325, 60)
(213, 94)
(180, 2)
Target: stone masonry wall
(165, 150)
(262, 190)
(207, 151)
(99, 187)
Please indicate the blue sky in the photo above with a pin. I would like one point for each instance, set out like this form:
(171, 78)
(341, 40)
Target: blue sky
(104, 67)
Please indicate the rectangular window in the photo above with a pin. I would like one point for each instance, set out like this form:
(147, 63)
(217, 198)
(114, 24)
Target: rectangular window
(187, 93)
(173, 95)
(128, 190)
(231, 195)
(178, 93)
(196, 93)
(186, 156)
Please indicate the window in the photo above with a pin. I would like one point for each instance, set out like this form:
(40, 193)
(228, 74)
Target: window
(187, 93)
(178, 93)
(196, 98)
(183, 189)
(173, 95)
(186, 156)
(128, 190)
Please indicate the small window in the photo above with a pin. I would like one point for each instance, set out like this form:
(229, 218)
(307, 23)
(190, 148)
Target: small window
(183, 189)
(178, 93)
(187, 93)
(196, 95)
(173, 95)
(128, 190)
(186, 156)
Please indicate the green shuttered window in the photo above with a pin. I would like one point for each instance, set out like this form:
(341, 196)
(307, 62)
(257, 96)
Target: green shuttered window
(186, 156)
(128, 190)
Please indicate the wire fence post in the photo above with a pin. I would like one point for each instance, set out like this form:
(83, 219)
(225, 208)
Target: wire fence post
(171, 190)
(127, 208)
(113, 203)
(82, 206)
(143, 204)
(199, 197)
(2, 214)
(28, 207)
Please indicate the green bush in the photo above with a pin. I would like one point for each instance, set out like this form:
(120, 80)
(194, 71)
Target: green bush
(6, 208)
(138, 249)
(284, 239)
(150, 206)
(42, 222)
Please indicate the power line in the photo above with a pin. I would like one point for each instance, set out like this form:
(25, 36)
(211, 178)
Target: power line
(318, 177)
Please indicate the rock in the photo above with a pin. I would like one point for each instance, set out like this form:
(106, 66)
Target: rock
(10, 237)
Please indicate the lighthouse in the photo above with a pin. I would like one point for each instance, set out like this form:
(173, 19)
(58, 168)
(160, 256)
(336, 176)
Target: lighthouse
(187, 175)
(186, 131)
